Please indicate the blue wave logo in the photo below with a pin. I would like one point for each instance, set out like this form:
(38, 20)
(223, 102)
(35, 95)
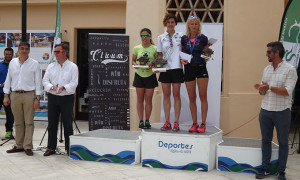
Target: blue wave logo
(79, 152)
(227, 164)
(194, 166)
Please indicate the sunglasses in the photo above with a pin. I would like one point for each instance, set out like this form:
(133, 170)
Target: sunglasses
(193, 17)
(145, 35)
(57, 52)
(269, 52)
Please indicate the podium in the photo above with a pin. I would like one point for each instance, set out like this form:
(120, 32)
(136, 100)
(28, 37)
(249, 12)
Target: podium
(103, 145)
(243, 155)
(180, 150)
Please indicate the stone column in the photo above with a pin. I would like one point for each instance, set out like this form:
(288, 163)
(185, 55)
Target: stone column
(143, 14)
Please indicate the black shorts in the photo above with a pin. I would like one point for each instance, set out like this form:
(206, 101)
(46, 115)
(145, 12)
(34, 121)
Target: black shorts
(171, 76)
(191, 72)
(145, 82)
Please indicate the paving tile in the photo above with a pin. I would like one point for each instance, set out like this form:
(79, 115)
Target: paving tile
(113, 174)
(60, 167)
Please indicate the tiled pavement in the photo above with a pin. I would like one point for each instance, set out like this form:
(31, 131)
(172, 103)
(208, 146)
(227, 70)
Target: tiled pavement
(19, 166)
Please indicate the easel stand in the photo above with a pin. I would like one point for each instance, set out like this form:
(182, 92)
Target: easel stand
(6, 140)
(61, 132)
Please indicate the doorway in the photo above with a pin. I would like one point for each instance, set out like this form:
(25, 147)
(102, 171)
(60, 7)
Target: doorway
(82, 104)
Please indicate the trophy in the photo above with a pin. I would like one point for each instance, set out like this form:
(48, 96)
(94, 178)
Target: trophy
(143, 61)
(158, 64)
(206, 55)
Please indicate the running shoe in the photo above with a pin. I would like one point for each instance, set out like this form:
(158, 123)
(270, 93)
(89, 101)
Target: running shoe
(166, 126)
(141, 125)
(262, 174)
(9, 135)
(201, 128)
(193, 128)
(176, 126)
(147, 124)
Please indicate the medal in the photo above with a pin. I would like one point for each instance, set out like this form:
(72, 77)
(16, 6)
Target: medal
(190, 44)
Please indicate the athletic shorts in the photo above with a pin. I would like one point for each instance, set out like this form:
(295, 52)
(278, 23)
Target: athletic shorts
(145, 82)
(192, 71)
(171, 76)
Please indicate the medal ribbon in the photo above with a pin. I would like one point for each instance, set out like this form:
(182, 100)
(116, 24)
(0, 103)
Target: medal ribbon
(192, 47)
(171, 42)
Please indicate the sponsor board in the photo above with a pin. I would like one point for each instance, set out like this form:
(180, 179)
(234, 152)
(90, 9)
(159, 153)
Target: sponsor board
(108, 91)
(40, 48)
(290, 33)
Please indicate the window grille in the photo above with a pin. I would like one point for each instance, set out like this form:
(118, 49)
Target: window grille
(209, 11)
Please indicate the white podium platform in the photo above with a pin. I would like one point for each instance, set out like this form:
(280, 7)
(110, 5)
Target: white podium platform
(243, 155)
(180, 150)
(103, 145)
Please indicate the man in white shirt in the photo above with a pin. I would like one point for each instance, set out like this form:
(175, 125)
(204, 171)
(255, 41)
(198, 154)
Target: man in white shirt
(60, 80)
(277, 87)
(24, 80)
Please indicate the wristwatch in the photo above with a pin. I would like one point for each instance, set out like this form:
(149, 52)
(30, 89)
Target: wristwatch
(38, 98)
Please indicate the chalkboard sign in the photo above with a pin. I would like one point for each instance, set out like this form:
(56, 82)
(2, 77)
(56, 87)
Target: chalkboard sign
(108, 81)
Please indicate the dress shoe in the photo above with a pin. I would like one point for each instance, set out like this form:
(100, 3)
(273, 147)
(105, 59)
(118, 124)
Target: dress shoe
(49, 152)
(15, 150)
(28, 152)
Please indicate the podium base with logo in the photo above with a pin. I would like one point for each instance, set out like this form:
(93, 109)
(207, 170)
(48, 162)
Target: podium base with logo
(103, 145)
(180, 150)
(243, 155)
